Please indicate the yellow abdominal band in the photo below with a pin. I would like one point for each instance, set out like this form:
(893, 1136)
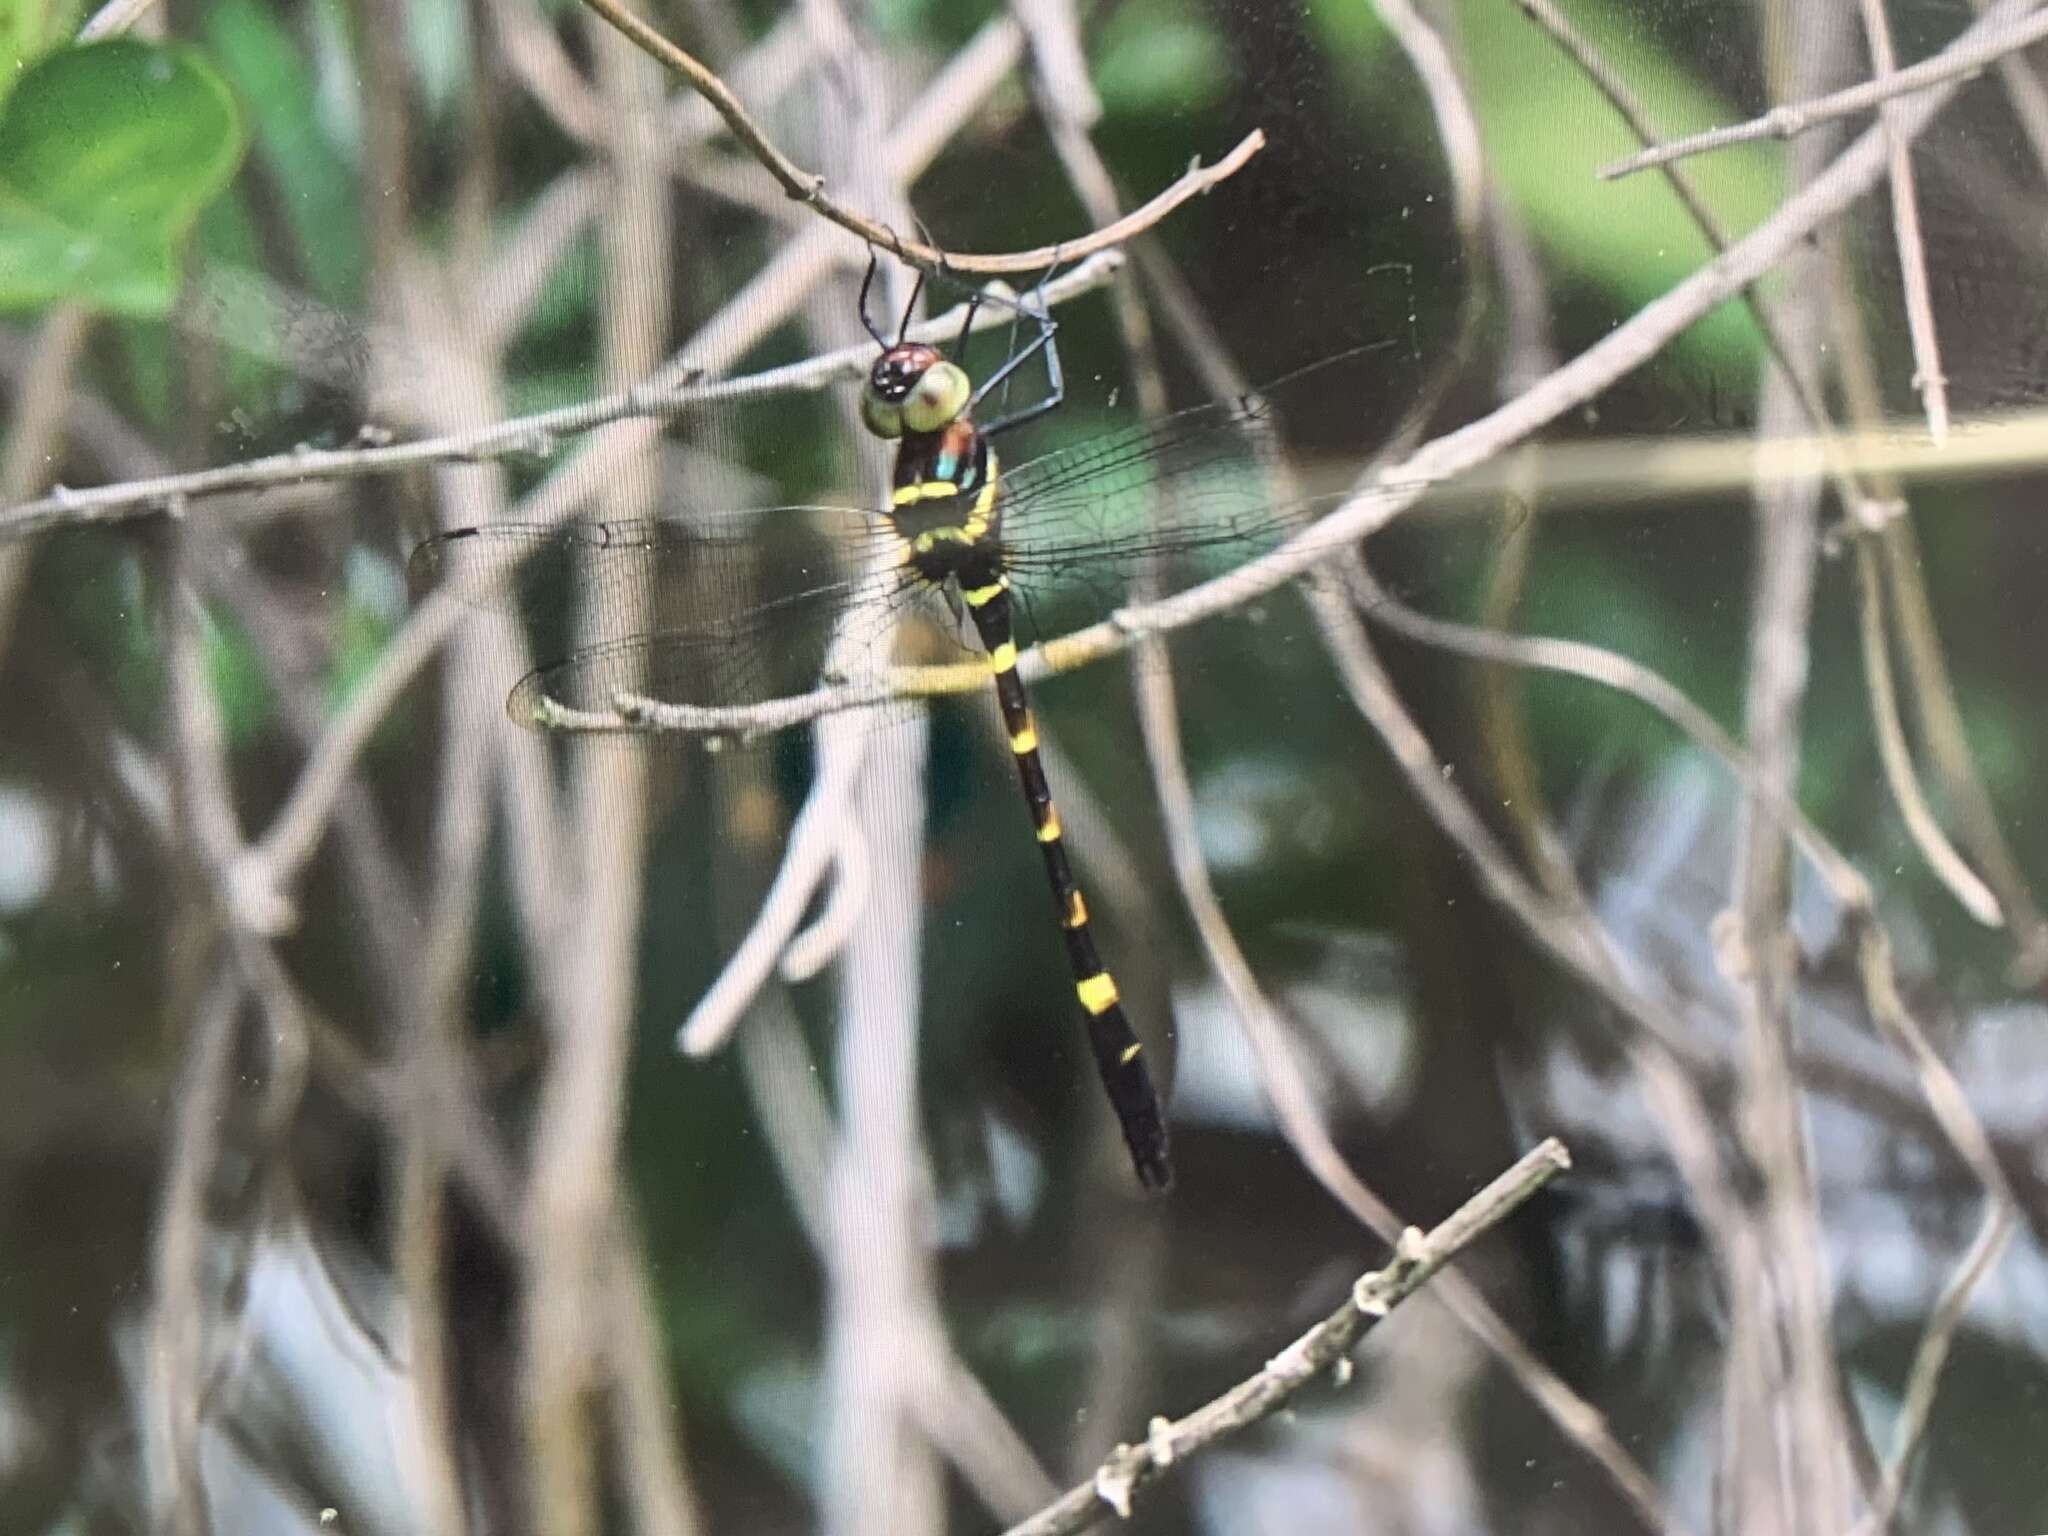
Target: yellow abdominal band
(1097, 993)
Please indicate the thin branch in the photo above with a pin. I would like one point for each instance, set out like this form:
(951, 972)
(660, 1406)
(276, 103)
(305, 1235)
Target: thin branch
(1963, 59)
(1894, 755)
(1927, 375)
(1784, 1313)
(1965, 1132)
(35, 431)
(177, 1349)
(113, 18)
(811, 849)
(536, 434)
(808, 187)
(1416, 1257)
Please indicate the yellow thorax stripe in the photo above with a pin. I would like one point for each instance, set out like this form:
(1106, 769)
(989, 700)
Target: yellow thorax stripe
(922, 490)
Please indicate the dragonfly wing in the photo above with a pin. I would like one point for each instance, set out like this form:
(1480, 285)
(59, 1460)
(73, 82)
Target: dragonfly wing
(1188, 497)
(775, 650)
(588, 566)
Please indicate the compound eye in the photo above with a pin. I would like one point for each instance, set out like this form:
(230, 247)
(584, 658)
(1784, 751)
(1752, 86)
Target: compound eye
(940, 394)
(879, 416)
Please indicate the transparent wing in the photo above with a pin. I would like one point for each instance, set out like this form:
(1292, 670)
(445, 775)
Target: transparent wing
(1109, 480)
(1192, 494)
(718, 610)
(770, 651)
(587, 567)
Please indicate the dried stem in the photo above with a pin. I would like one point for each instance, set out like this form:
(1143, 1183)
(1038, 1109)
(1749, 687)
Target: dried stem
(809, 188)
(1968, 56)
(658, 398)
(1416, 1258)
(1927, 374)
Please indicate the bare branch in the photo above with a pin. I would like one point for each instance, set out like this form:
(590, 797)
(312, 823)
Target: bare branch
(1416, 1257)
(808, 188)
(1979, 46)
(536, 434)
(1927, 374)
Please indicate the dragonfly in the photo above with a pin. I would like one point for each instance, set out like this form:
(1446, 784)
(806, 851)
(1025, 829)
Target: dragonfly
(959, 526)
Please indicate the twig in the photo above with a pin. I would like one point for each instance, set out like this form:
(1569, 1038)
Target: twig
(35, 431)
(1927, 374)
(1416, 1257)
(1962, 59)
(1785, 1314)
(113, 18)
(177, 1324)
(808, 188)
(428, 1046)
(1894, 755)
(536, 434)
(811, 849)
(1951, 1110)
(878, 1474)
(956, 1413)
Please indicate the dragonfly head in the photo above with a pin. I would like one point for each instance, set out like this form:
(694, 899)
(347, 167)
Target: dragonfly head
(912, 389)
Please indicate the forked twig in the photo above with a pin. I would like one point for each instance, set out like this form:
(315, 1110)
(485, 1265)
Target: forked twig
(808, 188)
(1416, 1257)
(1927, 374)
(1969, 55)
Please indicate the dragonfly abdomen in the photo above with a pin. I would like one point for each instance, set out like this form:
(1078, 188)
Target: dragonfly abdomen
(1119, 1056)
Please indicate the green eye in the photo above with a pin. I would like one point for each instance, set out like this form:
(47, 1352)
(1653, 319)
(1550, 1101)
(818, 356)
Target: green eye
(879, 416)
(939, 396)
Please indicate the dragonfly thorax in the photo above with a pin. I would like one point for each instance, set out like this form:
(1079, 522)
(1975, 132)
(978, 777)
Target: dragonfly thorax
(943, 501)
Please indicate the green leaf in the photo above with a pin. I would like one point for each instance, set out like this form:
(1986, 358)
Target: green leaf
(107, 154)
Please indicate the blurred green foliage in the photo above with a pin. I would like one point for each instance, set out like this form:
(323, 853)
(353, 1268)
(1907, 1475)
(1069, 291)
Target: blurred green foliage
(268, 67)
(31, 28)
(1547, 132)
(108, 151)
